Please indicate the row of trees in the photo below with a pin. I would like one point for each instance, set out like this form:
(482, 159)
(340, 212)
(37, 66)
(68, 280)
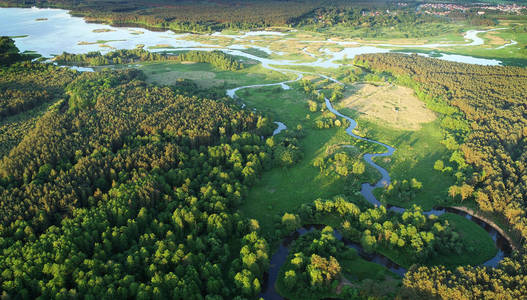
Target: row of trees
(216, 58)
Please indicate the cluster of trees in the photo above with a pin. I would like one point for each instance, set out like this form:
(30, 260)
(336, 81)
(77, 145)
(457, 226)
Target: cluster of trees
(317, 103)
(328, 122)
(412, 235)
(25, 90)
(287, 150)
(507, 281)
(354, 16)
(8, 52)
(216, 58)
(402, 189)
(340, 163)
(130, 190)
(312, 269)
(25, 85)
(320, 91)
(488, 146)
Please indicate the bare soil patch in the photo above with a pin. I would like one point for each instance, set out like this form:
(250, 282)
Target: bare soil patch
(393, 105)
(495, 39)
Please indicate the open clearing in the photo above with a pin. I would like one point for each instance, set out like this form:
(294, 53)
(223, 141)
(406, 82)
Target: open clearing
(207, 76)
(395, 105)
(203, 79)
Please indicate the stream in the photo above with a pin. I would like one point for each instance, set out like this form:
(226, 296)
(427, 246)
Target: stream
(280, 256)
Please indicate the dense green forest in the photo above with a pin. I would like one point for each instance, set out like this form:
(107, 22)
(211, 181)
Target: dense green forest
(125, 189)
(25, 90)
(192, 16)
(484, 120)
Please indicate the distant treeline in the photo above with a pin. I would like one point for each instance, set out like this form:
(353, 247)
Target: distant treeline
(210, 16)
(189, 16)
(218, 59)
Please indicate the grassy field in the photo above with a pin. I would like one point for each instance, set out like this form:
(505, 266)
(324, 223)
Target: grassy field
(479, 245)
(206, 76)
(285, 189)
(414, 157)
(495, 46)
(359, 269)
(510, 55)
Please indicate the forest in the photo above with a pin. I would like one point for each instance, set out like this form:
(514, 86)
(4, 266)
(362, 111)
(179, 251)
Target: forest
(486, 134)
(124, 189)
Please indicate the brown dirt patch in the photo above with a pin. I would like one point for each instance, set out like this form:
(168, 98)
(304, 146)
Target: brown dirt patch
(393, 105)
(494, 39)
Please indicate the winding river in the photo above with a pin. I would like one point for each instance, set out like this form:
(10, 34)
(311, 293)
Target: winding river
(280, 256)
(62, 32)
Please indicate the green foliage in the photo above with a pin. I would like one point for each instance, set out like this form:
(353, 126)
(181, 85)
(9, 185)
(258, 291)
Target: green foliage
(312, 268)
(372, 21)
(130, 190)
(9, 53)
(408, 238)
(403, 190)
(343, 162)
(26, 85)
(487, 138)
(290, 222)
(286, 151)
(216, 58)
